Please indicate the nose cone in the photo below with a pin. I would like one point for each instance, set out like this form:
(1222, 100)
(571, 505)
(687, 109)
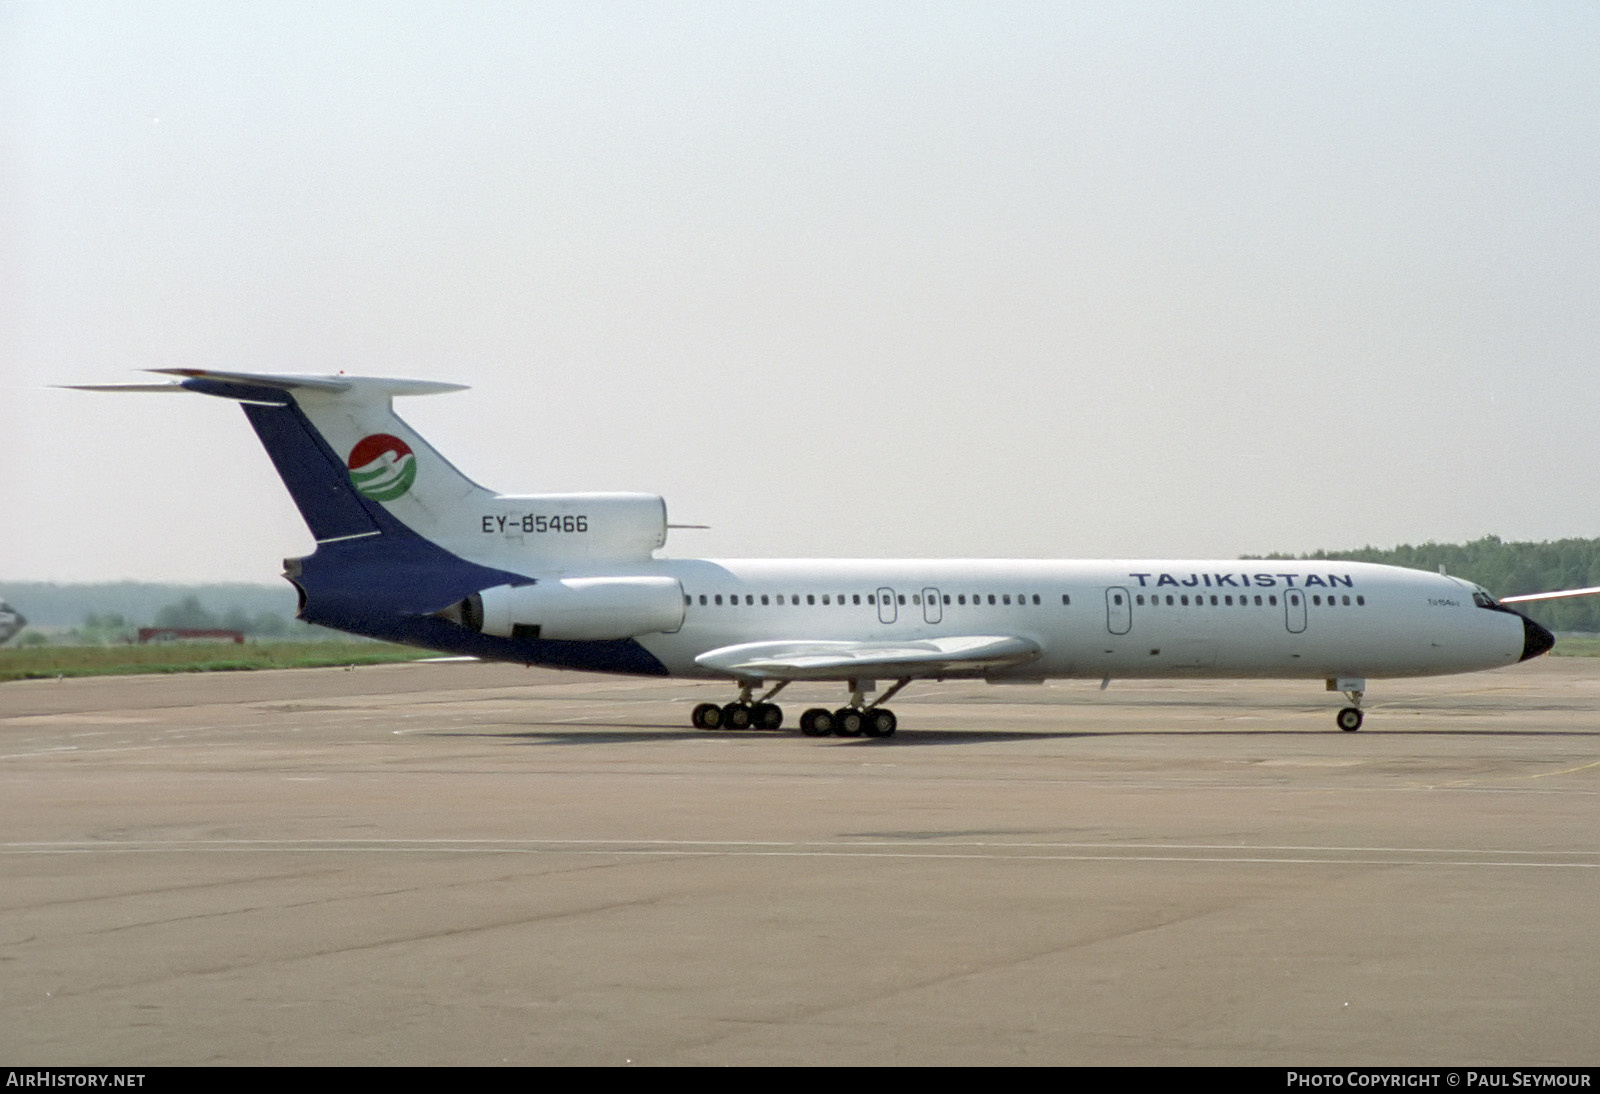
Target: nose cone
(1535, 639)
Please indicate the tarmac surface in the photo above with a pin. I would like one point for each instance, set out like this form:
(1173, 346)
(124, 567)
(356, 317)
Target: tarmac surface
(462, 863)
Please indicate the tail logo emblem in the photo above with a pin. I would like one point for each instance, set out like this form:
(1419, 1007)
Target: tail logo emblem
(382, 467)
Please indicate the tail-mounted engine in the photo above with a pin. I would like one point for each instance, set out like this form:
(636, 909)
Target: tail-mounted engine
(581, 609)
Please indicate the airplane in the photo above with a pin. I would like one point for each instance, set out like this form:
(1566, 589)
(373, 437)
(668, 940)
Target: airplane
(11, 621)
(409, 550)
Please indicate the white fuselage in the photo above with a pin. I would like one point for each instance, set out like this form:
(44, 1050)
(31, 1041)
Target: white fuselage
(1230, 618)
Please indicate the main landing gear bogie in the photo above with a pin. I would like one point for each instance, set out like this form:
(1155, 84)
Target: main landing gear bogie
(745, 712)
(737, 716)
(856, 719)
(849, 722)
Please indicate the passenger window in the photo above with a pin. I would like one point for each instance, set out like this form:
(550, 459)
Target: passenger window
(855, 598)
(811, 598)
(719, 600)
(1006, 599)
(901, 597)
(824, 598)
(763, 600)
(991, 598)
(1361, 601)
(702, 600)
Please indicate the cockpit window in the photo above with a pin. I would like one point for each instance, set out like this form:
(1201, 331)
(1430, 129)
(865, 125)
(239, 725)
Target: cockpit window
(1483, 600)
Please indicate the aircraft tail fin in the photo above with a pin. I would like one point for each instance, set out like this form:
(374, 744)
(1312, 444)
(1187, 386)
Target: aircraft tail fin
(402, 536)
(355, 468)
(350, 463)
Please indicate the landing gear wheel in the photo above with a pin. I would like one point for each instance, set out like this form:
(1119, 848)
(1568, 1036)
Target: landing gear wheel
(1349, 719)
(766, 716)
(736, 716)
(816, 722)
(847, 722)
(707, 716)
(879, 723)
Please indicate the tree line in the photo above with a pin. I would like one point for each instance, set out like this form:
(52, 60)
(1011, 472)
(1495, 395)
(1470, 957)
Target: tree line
(1505, 569)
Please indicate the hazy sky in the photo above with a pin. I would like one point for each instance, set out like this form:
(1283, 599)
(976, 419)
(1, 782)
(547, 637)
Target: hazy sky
(1045, 280)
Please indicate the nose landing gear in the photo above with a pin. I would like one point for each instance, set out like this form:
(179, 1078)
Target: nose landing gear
(1349, 719)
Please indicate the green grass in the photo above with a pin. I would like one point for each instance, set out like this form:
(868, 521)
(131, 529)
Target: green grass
(47, 662)
(1576, 647)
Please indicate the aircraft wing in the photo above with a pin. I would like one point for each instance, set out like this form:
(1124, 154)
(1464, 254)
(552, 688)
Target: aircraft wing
(1559, 594)
(817, 659)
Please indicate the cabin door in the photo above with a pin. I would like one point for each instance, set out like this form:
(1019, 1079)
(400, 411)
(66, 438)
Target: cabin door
(1119, 610)
(886, 612)
(1294, 609)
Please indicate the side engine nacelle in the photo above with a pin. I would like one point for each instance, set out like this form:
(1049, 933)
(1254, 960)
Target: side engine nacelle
(581, 609)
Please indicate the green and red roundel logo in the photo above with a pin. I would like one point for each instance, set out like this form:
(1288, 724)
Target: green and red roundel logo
(382, 467)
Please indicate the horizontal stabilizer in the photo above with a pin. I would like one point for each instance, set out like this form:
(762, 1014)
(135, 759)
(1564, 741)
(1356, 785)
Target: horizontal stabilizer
(836, 660)
(333, 385)
(170, 385)
(386, 384)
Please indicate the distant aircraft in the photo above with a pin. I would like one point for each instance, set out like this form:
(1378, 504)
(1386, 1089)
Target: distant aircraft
(11, 622)
(410, 550)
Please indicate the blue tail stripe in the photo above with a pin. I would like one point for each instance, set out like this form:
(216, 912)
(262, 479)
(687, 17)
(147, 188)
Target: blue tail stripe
(316, 478)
